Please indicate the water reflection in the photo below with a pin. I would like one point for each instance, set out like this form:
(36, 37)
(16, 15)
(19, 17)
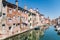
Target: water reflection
(38, 33)
(51, 34)
(29, 35)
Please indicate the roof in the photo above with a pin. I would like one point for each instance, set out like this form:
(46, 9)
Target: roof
(41, 15)
(14, 6)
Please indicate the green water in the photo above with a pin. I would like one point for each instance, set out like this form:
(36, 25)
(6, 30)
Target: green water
(50, 34)
(35, 34)
(29, 35)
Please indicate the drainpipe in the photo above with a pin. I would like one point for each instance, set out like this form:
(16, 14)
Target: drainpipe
(17, 11)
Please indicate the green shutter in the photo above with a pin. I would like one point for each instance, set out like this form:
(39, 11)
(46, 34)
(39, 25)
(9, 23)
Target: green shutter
(0, 14)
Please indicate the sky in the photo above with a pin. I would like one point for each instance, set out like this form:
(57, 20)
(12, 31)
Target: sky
(49, 8)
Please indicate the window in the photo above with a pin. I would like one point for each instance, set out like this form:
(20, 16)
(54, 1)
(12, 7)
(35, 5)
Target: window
(13, 23)
(10, 11)
(17, 24)
(30, 24)
(9, 19)
(25, 11)
(4, 14)
(4, 4)
(25, 24)
(23, 19)
(29, 15)
(28, 20)
(3, 24)
(10, 28)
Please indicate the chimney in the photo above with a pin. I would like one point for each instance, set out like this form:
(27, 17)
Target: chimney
(25, 7)
(0, 5)
(16, 5)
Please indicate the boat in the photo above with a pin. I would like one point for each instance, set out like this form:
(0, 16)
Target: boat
(58, 32)
(57, 26)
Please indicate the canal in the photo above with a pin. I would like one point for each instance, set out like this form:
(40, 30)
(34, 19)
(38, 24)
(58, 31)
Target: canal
(50, 34)
(37, 34)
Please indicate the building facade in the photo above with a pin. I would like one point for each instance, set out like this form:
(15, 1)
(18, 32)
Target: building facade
(14, 19)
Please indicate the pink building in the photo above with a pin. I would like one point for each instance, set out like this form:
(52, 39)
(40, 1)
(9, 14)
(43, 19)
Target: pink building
(14, 19)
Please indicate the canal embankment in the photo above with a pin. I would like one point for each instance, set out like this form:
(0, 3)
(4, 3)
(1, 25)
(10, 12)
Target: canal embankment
(30, 34)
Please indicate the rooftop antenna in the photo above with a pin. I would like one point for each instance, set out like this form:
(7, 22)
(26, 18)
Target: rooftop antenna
(0, 8)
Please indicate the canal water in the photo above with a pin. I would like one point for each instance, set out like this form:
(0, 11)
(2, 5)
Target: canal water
(50, 34)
